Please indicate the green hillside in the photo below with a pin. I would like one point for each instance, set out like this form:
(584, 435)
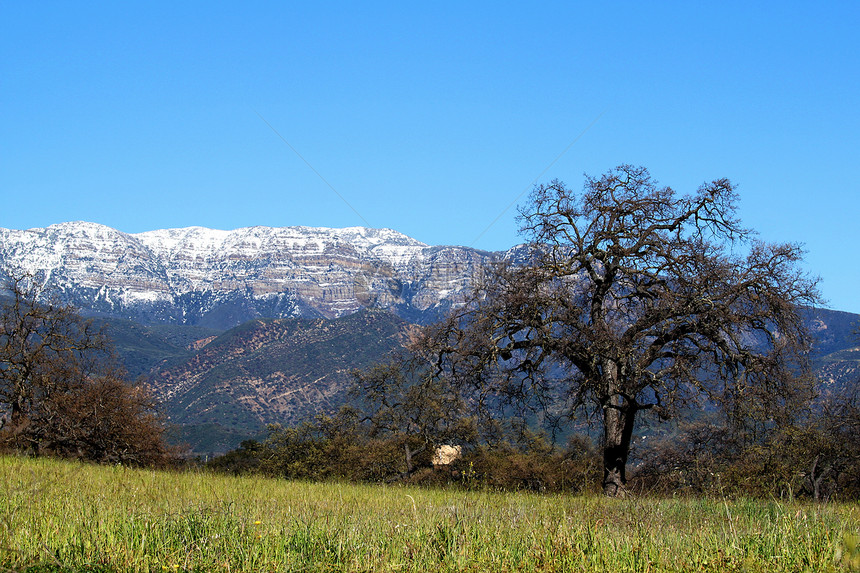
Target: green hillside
(141, 348)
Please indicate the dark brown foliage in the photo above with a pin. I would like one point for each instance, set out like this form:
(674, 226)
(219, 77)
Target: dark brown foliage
(105, 420)
(61, 391)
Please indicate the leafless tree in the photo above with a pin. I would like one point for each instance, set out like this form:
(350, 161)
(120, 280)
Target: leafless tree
(404, 401)
(42, 344)
(634, 299)
(61, 389)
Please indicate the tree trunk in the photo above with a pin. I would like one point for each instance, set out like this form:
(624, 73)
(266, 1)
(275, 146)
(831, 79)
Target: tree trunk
(618, 418)
(409, 466)
(816, 478)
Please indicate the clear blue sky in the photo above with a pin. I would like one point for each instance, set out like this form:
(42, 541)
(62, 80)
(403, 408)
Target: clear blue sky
(428, 118)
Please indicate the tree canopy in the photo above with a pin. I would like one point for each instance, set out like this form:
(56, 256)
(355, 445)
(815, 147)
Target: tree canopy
(635, 298)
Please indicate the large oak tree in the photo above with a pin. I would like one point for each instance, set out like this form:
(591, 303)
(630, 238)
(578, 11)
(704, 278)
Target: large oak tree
(635, 298)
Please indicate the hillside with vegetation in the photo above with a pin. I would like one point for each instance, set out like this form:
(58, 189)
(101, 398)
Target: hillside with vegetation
(167, 351)
(274, 371)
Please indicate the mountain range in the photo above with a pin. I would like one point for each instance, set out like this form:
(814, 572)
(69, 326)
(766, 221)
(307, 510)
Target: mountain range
(220, 279)
(237, 329)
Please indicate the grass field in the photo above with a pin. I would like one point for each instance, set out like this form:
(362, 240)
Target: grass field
(59, 516)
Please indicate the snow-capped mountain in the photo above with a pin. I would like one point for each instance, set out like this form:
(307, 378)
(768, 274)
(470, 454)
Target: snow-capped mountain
(222, 278)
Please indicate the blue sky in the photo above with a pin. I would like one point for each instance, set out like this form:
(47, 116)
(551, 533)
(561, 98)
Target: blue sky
(428, 118)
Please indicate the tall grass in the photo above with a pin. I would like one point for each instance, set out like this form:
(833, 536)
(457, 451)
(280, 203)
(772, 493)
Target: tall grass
(68, 516)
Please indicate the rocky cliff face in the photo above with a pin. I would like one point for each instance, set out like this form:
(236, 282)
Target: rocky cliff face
(223, 278)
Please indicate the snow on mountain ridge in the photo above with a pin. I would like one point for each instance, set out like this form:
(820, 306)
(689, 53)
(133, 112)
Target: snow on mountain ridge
(186, 274)
(194, 242)
(202, 241)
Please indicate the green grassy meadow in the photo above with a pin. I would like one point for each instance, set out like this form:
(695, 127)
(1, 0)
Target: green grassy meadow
(63, 516)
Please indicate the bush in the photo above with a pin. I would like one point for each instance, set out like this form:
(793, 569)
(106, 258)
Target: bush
(816, 456)
(341, 448)
(61, 392)
(537, 467)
